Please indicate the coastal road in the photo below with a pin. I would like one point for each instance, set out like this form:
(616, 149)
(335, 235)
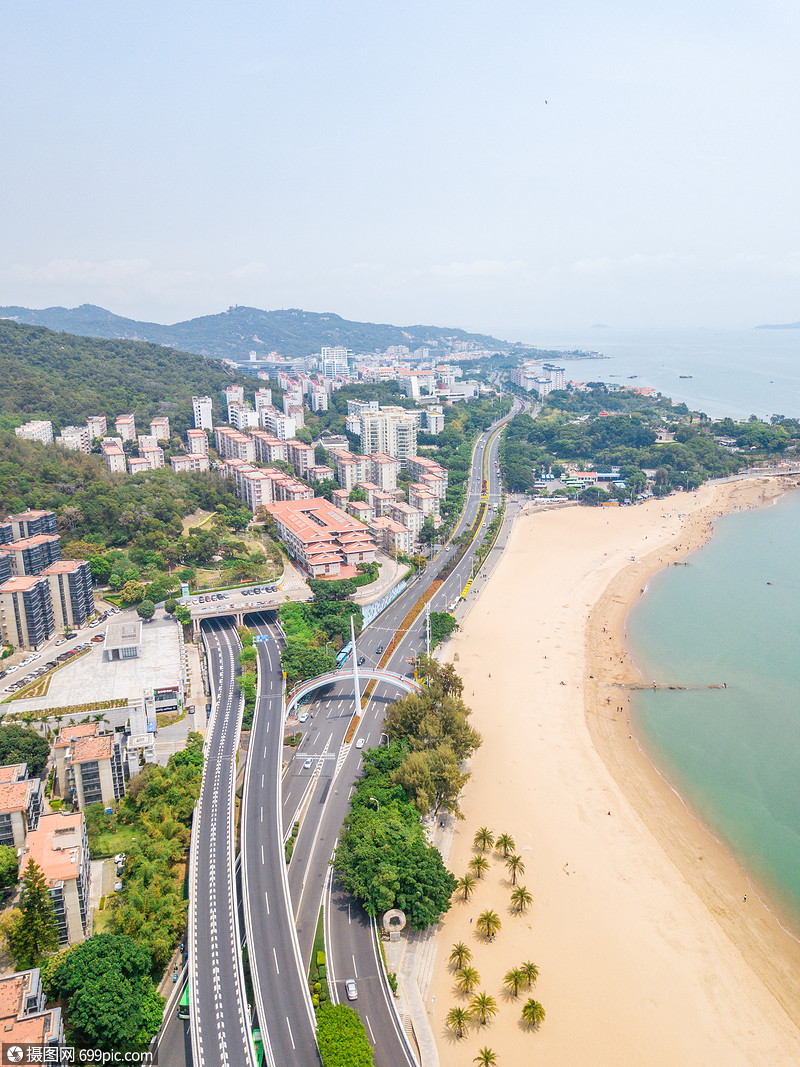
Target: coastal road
(220, 1021)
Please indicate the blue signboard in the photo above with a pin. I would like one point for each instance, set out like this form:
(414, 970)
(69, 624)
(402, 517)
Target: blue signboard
(260, 639)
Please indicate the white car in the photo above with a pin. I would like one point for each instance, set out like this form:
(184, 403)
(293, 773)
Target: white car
(117, 887)
(351, 989)
(303, 717)
(360, 742)
(308, 765)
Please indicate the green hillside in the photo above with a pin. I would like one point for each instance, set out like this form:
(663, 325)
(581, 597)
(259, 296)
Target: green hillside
(64, 378)
(234, 333)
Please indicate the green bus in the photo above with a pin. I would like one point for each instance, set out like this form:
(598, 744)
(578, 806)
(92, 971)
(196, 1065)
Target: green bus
(183, 1004)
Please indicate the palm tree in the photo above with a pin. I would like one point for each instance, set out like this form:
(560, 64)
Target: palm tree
(457, 1019)
(485, 1058)
(532, 1013)
(479, 865)
(460, 955)
(488, 923)
(467, 978)
(515, 866)
(521, 898)
(505, 844)
(467, 883)
(483, 1007)
(531, 972)
(514, 981)
(483, 839)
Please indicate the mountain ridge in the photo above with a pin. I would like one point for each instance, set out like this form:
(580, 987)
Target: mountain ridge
(232, 334)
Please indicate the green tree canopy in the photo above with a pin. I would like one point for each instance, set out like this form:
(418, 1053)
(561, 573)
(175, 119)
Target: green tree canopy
(146, 610)
(342, 1038)
(22, 744)
(35, 934)
(9, 866)
(111, 1000)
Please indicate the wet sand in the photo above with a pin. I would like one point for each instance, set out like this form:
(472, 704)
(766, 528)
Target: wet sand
(648, 953)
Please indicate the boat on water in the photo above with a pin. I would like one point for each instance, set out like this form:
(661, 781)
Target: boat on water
(686, 376)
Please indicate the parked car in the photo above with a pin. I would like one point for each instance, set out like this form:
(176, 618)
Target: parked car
(61, 641)
(117, 887)
(98, 637)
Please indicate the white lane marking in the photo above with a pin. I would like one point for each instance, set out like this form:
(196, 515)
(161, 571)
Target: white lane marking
(275, 954)
(355, 972)
(262, 815)
(266, 894)
(262, 859)
(369, 1024)
(291, 1035)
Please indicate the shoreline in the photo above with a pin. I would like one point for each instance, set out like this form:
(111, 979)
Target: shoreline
(644, 924)
(768, 941)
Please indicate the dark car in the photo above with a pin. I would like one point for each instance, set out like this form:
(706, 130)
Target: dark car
(378, 650)
(361, 660)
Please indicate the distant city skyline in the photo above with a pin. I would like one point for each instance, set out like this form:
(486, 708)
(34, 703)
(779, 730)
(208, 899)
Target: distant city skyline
(501, 171)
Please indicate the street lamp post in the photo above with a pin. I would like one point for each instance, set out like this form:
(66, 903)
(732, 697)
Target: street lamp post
(375, 799)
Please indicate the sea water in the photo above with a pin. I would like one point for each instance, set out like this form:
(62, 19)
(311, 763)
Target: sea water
(721, 372)
(732, 616)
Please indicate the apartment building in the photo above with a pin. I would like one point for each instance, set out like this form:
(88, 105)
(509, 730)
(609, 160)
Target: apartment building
(334, 362)
(146, 440)
(60, 847)
(75, 438)
(243, 417)
(154, 457)
(20, 804)
(197, 441)
(26, 611)
(319, 473)
(5, 568)
(90, 765)
(190, 462)
(301, 456)
(125, 425)
(70, 592)
(97, 425)
(159, 428)
(36, 430)
(138, 465)
(360, 510)
(434, 421)
(232, 444)
(282, 426)
(262, 398)
(420, 468)
(384, 470)
(392, 537)
(391, 430)
(27, 524)
(202, 410)
(421, 497)
(350, 468)
(254, 486)
(234, 394)
(322, 538)
(318, 399)
(408, 516)
(32, 554)
(269, 448)
(25, 1020)
(113, 457)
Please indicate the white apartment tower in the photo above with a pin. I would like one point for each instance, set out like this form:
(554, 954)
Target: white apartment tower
(203, 413)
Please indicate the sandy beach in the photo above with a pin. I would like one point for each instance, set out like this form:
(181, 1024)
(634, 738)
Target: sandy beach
(648, 953)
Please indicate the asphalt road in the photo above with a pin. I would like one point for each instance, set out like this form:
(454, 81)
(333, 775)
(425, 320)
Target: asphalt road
(220, 1023)
(280, 989)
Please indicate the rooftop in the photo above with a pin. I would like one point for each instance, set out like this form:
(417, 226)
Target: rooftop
(123, 634)
(13, 772)
(14, 795)
(71, 733)
(56, 846)
(22, 583)
(63, 566)
(92, 748)
(32, 542)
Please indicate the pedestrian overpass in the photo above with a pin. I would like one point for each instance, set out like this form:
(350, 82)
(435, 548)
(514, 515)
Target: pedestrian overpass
(304, 689)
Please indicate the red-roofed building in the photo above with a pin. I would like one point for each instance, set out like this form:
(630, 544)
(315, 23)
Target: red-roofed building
(321, 537)
(23, 1016)
(61, 848)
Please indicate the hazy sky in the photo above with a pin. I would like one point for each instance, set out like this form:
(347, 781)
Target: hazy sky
(500, 167)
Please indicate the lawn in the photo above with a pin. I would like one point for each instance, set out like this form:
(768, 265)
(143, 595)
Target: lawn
(108, 842)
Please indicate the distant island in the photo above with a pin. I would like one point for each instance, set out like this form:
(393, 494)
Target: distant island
(780, 326)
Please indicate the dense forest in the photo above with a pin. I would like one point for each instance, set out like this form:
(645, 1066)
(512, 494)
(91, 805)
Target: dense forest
(64, 378)
(93, 505)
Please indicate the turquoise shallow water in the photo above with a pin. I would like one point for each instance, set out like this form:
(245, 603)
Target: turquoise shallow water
(732, 615)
